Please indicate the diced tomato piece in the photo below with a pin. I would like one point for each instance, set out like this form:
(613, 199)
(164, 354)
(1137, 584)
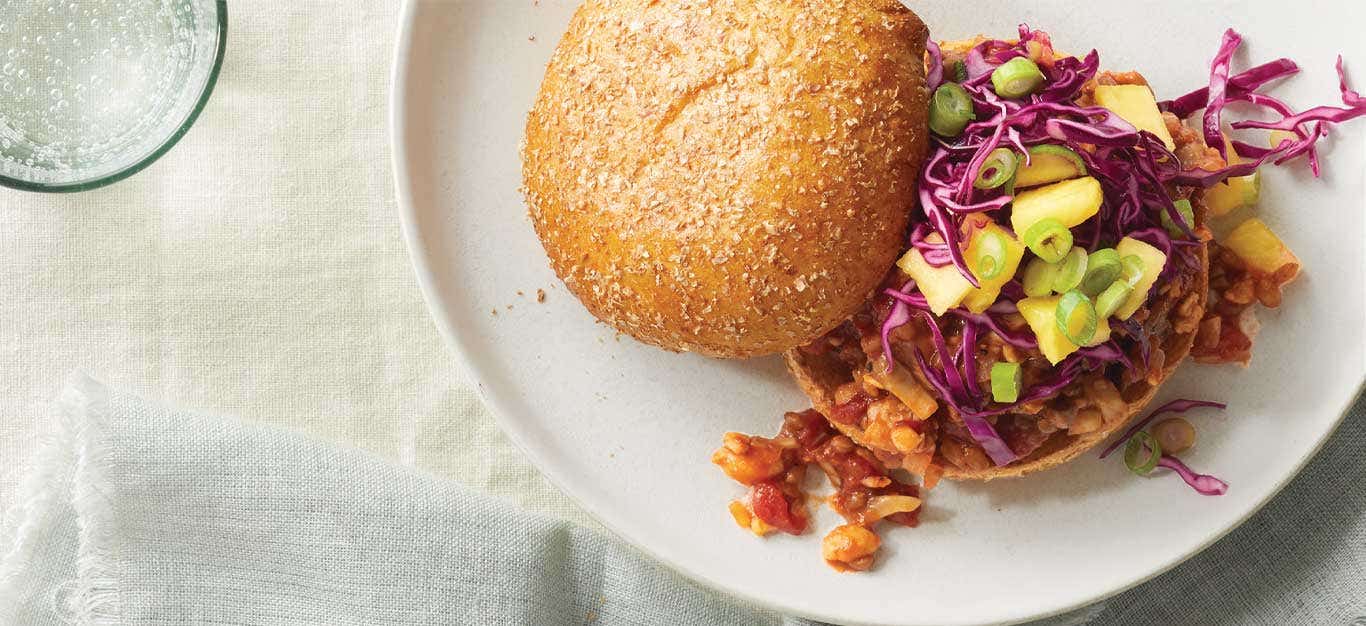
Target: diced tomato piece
(852, 411)
(853, 468)
(772, 507)
(807, 427)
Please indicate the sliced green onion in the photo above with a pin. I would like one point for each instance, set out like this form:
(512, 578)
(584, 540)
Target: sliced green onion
(1112, 298)
(1048, 239)
(1005, 381)
(1102, 268)
(1071, 270)
(959, 72)
(1076, 318)
(1038, 278)
(1131, 269)
(950, 110)
(1141, 443)
(1016, 78)
(990, 249)
(997, 170)
(1183, 207)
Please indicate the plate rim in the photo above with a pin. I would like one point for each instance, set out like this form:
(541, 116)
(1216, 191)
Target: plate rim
(415, 245)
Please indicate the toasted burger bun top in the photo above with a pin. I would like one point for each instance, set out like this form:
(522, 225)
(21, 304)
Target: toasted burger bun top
(731, 177)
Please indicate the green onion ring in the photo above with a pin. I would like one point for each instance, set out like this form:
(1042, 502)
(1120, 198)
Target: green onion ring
(991, 255)
(1016, 78)
(1141, 442)
(950, 110)
(1183, 207)
(1005, 382)
(1102, 268)
(1076, 318)
(1072, 270)
(1038, 278)
(1049, 239)
(998, 169)
(1112, 298)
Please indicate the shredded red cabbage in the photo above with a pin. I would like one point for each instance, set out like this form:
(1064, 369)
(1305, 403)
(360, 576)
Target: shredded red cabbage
(900, 314)
(1244, 82)
(1205, 484)
(1175, 406)
(1308, 126)
(1218, 90)
(986, 436)
(1105, 353)
(934, 69)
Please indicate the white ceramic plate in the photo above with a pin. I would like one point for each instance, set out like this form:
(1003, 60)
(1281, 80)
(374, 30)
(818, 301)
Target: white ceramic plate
(627, 430)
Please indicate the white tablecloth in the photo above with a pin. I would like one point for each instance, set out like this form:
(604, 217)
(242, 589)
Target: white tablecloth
(256, 270)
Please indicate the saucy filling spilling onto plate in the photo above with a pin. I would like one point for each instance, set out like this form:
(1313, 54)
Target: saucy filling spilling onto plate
(1062, 261)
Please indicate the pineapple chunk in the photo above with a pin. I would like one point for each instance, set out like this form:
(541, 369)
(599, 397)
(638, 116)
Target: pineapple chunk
(1264, 252)
(1234, 193)
(1041, 314)
(1049, 164)
(979, 299)
(944, 287)
(1137, 106)
(1153, 261)
(1070, 202)
(1102, 333)
(1239, 191)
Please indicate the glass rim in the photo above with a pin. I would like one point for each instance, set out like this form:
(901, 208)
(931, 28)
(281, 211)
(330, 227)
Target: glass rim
(171, 140)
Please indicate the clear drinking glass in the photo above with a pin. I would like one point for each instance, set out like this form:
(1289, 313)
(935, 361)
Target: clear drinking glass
(91, 91)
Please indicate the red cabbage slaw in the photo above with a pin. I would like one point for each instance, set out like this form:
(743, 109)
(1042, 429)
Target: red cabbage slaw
(1130, 165)
(1306, 126)
(1135, 170)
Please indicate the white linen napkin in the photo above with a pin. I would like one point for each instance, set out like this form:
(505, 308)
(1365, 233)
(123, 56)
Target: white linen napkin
(141, 514)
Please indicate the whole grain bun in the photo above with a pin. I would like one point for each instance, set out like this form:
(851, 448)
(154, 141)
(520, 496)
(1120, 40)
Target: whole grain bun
(730, 177)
